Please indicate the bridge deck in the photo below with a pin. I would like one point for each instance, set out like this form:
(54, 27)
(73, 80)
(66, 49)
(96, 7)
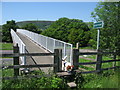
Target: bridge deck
(32, 47)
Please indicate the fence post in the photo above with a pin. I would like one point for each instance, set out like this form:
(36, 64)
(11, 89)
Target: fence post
(77, 45)
(58, 60)
(114, 57)
(99, 61)
(76, 58)
(114, 63)
(16, 59)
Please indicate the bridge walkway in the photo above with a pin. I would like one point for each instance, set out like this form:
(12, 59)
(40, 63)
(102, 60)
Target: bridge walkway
(32, 47)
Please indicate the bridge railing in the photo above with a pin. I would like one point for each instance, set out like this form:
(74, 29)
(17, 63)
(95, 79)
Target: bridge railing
(22, 46)
(50, 44)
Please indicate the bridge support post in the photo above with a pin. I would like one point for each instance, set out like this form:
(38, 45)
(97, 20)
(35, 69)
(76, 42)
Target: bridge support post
(16, 59)
(58, 60)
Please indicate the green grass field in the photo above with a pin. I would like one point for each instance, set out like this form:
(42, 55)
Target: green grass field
(6, 46)
(104, 65)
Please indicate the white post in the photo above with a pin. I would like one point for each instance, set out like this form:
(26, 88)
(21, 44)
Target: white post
(24, 48)
(54, 45)
(46, 44)
(64, 49)
(98, 39)
(71, 61)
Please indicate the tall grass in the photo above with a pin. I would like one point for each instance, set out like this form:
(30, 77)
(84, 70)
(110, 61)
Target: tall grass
(108, 79)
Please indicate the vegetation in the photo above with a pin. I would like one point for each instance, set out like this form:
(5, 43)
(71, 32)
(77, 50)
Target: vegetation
(6, 36)
(31, 27)
(39, 24)
(6, 46)
(69, 30)
(108, 79)
(43, 82)
(0, 33)
(93, 57)
(109, 12)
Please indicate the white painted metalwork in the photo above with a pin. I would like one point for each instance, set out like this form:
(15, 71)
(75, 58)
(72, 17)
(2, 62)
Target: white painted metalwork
(22, 46)
(50, 44)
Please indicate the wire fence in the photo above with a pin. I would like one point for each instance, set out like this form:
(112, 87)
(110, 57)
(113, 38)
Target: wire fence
(50, 44)
(22, 46)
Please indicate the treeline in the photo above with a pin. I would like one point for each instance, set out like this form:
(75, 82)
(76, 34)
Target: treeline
(39, 23)
(69, 30)
(6, 36)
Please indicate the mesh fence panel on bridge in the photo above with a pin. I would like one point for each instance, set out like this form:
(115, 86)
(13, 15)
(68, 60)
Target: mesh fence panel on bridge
(22, 46)
(49, 43)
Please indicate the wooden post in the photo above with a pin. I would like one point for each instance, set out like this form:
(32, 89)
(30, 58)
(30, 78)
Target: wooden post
(114, 63)
(76, 58)
(114, 58)
(58, 60)
(99, 60)
(77, 45)
(16, 59)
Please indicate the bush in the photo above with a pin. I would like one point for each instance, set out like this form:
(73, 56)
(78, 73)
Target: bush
(44, 82)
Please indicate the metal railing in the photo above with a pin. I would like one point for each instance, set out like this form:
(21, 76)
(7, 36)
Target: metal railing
(50, 44)
(22, 46)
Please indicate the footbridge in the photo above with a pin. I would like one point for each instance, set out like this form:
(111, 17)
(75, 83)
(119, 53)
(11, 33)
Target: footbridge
(30, 42)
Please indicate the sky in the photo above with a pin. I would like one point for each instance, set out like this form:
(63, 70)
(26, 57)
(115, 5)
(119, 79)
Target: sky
(52, 11)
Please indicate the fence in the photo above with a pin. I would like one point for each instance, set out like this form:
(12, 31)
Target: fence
(50, 44)
(57, 65)
(98, 63)
(22, 46)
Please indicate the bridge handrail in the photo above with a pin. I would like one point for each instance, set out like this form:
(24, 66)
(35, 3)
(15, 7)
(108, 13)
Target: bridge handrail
(50, 43)
(22, 46)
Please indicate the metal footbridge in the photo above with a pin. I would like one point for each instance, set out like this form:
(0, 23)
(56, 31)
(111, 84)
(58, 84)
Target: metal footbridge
(30, 42)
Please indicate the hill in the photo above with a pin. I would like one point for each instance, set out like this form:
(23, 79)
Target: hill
(40, 24)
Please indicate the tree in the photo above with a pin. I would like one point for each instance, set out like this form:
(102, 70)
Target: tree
(6, 36)
(93, 35)
(32, 27)
(69, 30)
(109, 12)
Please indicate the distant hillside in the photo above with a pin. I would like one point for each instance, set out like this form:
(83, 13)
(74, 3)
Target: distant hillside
(40, 24)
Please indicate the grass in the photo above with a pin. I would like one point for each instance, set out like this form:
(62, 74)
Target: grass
(7, 72)
(108, 79)
(84, 47)
(104, 65)
(6, 46)
(87, 68)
